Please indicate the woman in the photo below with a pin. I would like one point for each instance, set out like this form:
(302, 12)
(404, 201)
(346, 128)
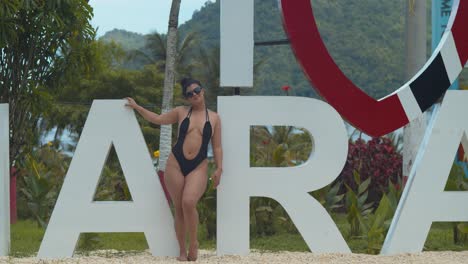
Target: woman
(187, 165)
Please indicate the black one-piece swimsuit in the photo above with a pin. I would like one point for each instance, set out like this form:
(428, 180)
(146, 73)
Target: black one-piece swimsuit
(187, 166)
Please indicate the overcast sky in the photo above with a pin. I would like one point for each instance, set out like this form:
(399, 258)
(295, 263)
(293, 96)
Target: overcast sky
(142, 16)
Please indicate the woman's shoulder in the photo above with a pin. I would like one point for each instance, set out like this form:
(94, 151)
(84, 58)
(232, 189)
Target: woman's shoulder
(213, 115)
(182, 108)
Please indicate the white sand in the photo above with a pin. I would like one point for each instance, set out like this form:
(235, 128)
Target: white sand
(258, 257)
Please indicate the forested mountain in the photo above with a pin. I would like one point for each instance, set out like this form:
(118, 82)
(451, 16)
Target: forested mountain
(128, 40)
(365, 37)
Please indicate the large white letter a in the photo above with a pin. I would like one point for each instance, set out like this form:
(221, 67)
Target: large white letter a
(110, 123)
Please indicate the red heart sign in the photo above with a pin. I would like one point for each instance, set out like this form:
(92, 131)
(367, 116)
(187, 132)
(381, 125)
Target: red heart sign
(376, 117)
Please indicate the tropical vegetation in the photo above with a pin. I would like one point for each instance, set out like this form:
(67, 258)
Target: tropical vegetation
(52, 67)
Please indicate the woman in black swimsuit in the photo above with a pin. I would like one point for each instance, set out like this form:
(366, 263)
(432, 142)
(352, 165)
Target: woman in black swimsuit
(187, 166)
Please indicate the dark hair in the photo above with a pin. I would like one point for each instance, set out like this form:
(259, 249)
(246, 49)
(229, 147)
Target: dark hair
(186, 82)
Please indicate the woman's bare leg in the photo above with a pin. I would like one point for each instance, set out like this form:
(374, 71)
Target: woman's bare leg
(175, 181)
(195, 186)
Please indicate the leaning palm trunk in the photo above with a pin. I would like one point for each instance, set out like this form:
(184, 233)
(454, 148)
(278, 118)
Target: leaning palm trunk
(415, 59)
(171, 55)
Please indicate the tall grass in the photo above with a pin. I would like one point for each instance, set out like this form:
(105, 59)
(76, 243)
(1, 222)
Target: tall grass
(26, 237)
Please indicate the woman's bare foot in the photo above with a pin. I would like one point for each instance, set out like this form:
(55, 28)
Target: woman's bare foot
(193, 252)
(183, 256)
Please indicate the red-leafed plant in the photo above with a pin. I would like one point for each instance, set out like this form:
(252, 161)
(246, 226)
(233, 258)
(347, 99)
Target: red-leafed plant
(377, 158)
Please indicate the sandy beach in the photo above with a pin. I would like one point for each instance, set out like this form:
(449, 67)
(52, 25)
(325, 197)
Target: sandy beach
(104, 257)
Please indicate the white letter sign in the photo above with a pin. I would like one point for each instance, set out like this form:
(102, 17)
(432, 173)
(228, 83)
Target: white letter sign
(289, 186)
(4, 181)
(424, 200)
(237, 43)
(110, 123)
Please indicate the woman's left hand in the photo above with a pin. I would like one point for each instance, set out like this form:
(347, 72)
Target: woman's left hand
(131, 103)
(216, 177)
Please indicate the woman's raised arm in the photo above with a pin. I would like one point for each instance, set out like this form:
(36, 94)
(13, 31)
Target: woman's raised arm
(168, 118)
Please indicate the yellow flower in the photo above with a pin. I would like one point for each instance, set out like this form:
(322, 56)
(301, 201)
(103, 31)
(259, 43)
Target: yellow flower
(49, 143)
(156, 154)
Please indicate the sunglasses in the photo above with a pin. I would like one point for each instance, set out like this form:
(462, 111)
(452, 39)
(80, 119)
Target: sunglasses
(190, 94)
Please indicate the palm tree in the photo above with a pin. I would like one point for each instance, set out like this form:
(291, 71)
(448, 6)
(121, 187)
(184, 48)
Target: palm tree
(165, 141)
(156, 52)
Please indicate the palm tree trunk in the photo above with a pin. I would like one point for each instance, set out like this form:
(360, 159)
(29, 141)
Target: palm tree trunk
(165, 142)
(416, 37)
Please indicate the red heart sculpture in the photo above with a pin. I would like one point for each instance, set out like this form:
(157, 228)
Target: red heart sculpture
(376, 117)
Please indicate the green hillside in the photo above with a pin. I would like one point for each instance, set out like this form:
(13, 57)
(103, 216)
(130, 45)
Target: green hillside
(365, 37)
(128, 40)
